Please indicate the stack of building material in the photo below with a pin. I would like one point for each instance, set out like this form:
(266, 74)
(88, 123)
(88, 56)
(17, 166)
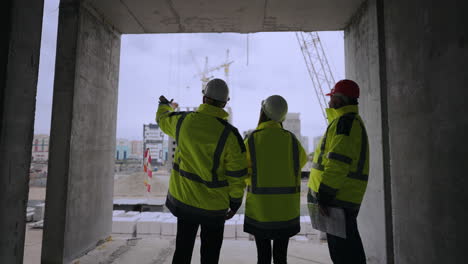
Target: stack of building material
(300, 238)
(37, 225)
(149, 223)
(117, 212)
(306, 226)
(169, 225)
(125, 223)
(165, 224)
(39, 212)
(230, 227)
(240, 234)
(29, 214)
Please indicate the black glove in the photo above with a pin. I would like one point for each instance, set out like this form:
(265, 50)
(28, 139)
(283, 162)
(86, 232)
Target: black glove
(325, 198)
(234, 206)
(163, 100)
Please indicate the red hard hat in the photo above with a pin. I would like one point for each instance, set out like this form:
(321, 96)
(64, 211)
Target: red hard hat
(345, 87)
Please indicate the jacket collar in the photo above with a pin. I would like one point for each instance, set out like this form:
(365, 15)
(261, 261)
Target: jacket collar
(269, 124)
(212, 111)
(333, 114)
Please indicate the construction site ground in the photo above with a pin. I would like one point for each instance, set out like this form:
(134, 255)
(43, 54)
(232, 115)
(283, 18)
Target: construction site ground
(159, 250)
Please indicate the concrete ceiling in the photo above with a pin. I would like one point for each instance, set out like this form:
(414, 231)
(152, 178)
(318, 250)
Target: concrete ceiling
(172, 16)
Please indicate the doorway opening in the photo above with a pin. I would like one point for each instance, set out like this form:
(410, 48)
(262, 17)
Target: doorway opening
(255, 66)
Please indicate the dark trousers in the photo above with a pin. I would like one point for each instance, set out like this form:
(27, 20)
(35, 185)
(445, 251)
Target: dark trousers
(211, 241)
(280, 250)
(349, 250)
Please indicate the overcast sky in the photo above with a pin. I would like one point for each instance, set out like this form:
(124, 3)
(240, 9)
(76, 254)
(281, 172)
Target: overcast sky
(155, 64)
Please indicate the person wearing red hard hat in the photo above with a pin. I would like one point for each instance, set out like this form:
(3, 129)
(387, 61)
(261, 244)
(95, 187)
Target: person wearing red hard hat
(345, 92)
(340, 170)
(346, 87)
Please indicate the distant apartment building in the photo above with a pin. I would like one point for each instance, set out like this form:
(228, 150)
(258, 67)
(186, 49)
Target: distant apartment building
(305, 143)
(171, 148)
(153, 139)
(316, 141)
(293, 124)
(136, 149)
(40, 147)
(122, 149)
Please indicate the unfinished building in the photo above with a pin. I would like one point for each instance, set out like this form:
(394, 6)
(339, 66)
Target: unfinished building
(409, 57)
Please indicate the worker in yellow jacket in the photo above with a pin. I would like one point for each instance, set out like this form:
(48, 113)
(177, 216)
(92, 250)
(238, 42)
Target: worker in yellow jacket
(208, 174)
(275, 159)
(340, 169)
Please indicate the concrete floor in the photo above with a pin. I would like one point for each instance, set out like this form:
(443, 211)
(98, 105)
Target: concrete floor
(32, 246)
(155, 250)
(152, 250)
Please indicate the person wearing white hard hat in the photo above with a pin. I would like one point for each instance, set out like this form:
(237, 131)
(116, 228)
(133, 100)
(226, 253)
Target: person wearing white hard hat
(209, 171)
(216, 92)
(275, 157)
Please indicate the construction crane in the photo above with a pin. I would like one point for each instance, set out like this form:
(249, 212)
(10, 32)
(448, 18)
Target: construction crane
(204, 74)
(317, 66)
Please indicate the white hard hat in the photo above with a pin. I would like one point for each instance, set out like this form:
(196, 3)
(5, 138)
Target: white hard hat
(217, 89)
(275, 108)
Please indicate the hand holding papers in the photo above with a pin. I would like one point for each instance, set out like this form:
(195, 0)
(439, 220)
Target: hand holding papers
(334, 223)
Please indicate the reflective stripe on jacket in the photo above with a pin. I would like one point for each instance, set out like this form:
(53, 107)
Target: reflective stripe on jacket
(340, 166)
(275, 159)
(210, 165)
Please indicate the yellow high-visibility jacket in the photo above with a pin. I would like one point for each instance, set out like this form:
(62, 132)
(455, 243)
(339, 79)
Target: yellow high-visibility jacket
(340, 167)
(210, 164)
(275, 159)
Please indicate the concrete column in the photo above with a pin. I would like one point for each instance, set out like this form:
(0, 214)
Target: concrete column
(426, 66)
(21, 26)
(364, 64)
(82, 143)
(410, 59)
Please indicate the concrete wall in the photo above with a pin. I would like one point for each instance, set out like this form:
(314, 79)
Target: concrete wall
(363, 64)
(426, 54)
(82, 144)
(410, 59)
(19, 62)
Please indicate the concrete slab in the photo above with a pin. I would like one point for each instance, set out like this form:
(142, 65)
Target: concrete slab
(149, 223)
(125, 223)
(230, 228)
(39, 212)
(306, 226)
(129, 201)
(226, 16)
(169, 226)
(118, 212)
(240, 234)
(29, 216)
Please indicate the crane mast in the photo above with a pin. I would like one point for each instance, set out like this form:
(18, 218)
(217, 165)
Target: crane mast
(317, 66)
